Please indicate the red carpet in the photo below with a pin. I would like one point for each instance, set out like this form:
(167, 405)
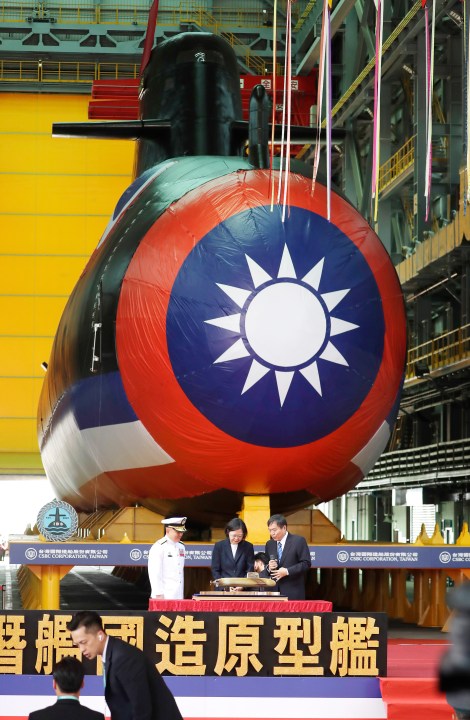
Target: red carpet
(410, 690)
(415, 658)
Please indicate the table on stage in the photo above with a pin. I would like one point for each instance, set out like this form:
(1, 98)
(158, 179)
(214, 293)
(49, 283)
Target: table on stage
(214, 605)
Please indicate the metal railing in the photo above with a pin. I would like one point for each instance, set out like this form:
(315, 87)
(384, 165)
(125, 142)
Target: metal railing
(247, 16)
(371, 64)
(397, 164)
(13, 70)
(304, 15)
(49, 71)
(404, 158)
(251, 61)
(430, 462)
(243, 17)
(441, 351)
(73, 14)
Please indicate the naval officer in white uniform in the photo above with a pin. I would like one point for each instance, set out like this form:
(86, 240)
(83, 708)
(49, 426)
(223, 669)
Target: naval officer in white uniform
(166, 561)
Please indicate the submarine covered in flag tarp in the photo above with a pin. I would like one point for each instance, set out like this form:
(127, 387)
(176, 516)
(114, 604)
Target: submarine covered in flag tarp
(218, 344)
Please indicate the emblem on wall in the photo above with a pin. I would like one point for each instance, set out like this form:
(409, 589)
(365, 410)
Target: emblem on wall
(57, 521)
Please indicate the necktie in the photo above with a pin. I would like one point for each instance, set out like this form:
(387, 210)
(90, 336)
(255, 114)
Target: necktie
(279, 550)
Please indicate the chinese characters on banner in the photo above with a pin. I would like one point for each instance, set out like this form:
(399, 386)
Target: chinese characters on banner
(12, 643)
(267, 644)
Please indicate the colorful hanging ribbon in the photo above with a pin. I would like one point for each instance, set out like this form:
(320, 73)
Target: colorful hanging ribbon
(324, 81)
(329, 95)
(429, 99)
(377, 92)
(285, 199)
(466, 46)
(274, 87)
(283, 187)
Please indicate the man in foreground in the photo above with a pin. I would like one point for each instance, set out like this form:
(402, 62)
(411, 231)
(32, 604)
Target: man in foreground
(67, 682)
(289, 558)
(133, 688)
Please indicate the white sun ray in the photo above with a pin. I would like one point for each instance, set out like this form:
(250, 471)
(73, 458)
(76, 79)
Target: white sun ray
(332, 354)
(256, 372)
(234, 352)
(311, 374)
(283, 380)
(286, 268)
(332, 299)
(258, 274)
(341, 326)
(227, 322)
(238, 295)
(313, 276)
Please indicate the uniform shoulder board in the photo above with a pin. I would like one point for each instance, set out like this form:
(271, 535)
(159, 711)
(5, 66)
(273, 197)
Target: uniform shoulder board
(182, 543)
(163, 541)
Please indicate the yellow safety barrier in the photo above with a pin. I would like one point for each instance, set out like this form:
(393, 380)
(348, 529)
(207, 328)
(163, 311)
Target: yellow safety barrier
(423, 537)
(464, 537)
(50, 71)
(30, 588)
(57, 12)
(395, 166)
(445, 349)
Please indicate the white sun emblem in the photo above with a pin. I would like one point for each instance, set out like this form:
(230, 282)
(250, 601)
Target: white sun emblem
(286, 325)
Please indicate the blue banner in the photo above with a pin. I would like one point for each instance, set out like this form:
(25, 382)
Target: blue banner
(199, 555)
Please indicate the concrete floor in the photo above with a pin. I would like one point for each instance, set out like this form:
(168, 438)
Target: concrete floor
(83, 588)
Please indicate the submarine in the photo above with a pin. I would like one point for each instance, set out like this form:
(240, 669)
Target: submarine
(218, 344)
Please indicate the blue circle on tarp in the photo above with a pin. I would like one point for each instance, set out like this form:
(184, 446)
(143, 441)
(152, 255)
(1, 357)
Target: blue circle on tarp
(346, 362)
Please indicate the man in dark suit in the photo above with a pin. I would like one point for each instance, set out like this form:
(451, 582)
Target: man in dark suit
(68, 677)
(289, 558)
(133, 687)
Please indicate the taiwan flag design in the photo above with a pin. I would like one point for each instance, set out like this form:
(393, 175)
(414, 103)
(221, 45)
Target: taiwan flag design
(263, 356)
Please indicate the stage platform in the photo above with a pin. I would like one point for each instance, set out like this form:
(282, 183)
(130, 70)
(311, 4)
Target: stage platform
(408, 693)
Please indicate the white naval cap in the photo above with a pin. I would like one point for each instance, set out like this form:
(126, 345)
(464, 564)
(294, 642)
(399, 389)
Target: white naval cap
(177, 523)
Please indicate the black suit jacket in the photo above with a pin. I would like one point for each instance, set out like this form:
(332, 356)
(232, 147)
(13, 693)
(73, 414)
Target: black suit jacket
(134, 688)
(296, 558)
(66, 710)
(224, 565)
